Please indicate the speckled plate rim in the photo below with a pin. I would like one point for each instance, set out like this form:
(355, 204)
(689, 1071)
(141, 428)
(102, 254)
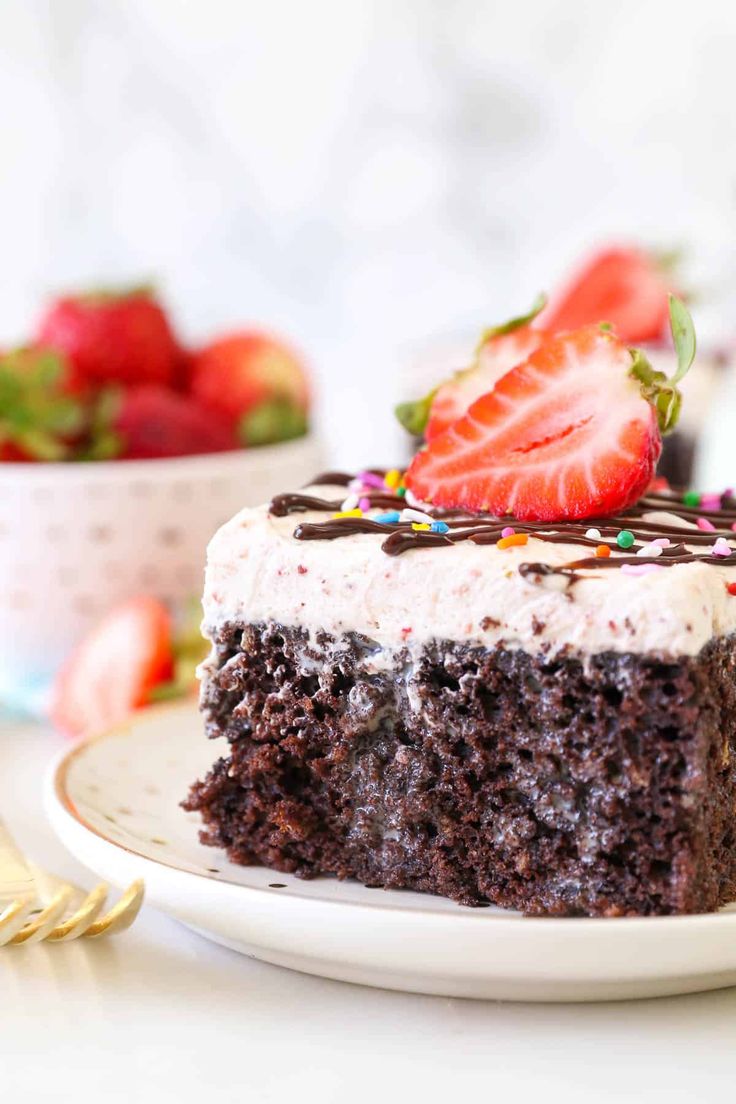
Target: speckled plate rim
(57, 778)
(462, 952)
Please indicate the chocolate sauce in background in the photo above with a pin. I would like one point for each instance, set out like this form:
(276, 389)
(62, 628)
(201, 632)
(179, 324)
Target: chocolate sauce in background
(400, 537)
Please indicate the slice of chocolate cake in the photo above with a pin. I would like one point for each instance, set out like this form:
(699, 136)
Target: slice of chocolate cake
(542, 718)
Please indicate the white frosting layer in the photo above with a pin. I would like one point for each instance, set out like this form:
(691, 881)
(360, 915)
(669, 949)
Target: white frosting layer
(257, 571)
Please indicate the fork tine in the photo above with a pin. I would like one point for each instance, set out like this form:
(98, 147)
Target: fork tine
(121, 915)
(76, 924)
(41, 926)
(14, 917)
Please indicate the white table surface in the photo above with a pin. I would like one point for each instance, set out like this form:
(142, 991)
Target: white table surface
(160, 1014)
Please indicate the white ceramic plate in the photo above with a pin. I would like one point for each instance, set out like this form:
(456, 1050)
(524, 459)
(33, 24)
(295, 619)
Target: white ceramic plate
(114, 803)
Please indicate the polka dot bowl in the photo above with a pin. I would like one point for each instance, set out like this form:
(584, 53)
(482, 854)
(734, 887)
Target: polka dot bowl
(76, 538)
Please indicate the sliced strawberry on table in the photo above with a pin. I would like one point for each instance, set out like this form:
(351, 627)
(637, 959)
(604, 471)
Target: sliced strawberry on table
(256, 380)
(115, 669)
(148, 422)
(119, 337)
(500, 348)
(625, 286)
(573, 432)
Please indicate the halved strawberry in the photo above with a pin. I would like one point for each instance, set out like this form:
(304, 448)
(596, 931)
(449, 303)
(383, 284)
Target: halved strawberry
(497, 355)
(114, 669)
(625, 286)
(500, 348)
(573, 432)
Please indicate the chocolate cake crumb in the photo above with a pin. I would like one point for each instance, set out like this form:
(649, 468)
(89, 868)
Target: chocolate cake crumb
(535, 782)
(490, 623)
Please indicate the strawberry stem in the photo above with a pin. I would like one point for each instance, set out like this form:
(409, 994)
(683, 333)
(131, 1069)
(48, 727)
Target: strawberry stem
(656, 387)
(513, 323)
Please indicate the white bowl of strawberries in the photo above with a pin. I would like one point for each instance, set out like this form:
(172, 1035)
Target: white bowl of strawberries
(120, 454)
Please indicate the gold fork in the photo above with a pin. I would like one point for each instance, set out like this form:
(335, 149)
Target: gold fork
(23, 887)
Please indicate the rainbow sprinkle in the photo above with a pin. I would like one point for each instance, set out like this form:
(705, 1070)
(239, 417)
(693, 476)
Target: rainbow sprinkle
(440, 527)
(516, 539)
(651, 549)
(392, 479)
(640, 569)
(420, 526)
(602, 551)
(721, 547)
(691, 498)
(391, 517)
(508, 531)
(416, 515)
(705, 525)
(625, 538)
(348, 514)
(370, 479)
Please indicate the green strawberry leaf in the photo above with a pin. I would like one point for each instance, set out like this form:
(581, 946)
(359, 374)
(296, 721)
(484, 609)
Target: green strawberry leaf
(102, 441)
(190, 648)
(656, 388)
(103, 295)
(414, 416)
(514, 323)
(667, 260)
(36, 414)
(683, 335)
(272, 421)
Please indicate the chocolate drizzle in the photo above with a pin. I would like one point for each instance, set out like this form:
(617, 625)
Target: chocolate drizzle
(401, 537)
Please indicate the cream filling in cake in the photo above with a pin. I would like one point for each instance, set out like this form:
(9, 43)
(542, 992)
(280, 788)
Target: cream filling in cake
(258, 572)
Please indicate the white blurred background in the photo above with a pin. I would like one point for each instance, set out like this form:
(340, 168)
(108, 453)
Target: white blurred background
(365, 175)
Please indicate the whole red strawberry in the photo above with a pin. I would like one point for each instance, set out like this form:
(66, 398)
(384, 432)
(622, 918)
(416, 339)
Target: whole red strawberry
(625, 286)
(151, 422)
(572, 432)
(255, 380)
(113, 337)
